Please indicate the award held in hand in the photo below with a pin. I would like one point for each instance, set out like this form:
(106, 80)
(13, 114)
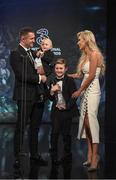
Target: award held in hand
(61, 104)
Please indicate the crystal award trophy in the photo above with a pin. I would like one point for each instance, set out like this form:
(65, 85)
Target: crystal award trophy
(61, 104)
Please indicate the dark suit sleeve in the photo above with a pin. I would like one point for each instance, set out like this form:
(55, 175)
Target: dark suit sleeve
(51, 97)
(72, 88)
(22, 68)
(47, 61)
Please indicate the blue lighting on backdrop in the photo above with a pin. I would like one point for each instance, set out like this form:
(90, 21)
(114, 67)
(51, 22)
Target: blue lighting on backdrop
(60, 20)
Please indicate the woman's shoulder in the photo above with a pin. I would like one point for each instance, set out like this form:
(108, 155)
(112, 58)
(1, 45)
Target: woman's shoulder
(96, 55)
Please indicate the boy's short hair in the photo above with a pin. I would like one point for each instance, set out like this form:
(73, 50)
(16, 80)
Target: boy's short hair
(60, 61)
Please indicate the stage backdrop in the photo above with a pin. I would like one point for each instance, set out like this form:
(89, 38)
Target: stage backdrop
(58, 19)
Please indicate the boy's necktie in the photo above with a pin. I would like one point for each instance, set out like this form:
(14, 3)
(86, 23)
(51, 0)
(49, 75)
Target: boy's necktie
(61, 79)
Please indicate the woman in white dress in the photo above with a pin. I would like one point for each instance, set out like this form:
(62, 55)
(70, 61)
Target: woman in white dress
(91, 65)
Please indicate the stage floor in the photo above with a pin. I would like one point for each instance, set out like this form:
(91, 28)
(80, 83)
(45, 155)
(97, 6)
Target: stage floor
(74, 170)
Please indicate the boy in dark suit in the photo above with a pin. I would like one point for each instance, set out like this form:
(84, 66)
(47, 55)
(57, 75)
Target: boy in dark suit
(63, 110)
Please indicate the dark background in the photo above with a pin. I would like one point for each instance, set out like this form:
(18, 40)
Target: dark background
(110, 106)
(63, 19)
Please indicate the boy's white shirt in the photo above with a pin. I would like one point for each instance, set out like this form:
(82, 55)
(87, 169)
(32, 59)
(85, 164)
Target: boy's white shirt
(60, 84)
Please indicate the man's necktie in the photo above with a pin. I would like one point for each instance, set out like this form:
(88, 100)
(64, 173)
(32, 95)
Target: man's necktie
(30, 56)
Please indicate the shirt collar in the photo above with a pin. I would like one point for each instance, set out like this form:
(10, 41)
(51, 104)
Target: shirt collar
(24, 47)
(60, 78)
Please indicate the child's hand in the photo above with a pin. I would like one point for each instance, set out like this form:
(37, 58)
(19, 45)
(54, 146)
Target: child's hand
(61, 106)
(55, 88)
(40, 53)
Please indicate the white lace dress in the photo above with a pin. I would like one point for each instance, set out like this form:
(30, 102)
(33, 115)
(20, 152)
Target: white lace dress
(89, 103)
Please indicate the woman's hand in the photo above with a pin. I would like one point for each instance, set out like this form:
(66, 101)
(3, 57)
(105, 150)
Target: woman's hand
(75, 75)
(76, 94)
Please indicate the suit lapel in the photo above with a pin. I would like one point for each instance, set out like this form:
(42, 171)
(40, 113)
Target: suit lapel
(64, 84)
(24, 53)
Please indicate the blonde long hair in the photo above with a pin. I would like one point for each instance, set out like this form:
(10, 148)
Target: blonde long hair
(92, 45)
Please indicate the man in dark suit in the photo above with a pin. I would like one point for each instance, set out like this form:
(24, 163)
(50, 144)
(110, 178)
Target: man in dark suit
(26, 88)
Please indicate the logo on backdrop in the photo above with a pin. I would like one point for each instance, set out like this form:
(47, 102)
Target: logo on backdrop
(44, 33)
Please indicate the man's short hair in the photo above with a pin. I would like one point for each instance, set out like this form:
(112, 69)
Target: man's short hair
(24, 31)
